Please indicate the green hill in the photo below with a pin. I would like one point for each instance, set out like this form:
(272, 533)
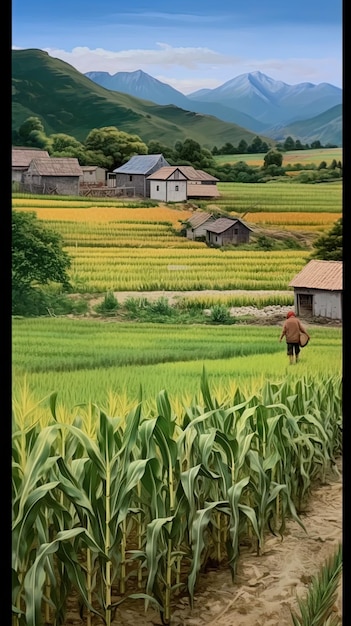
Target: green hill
(66, 101)
(326, 128)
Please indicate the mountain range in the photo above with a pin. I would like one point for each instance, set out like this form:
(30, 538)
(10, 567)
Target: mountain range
(70, 102)
(254, 101)
(67, 101)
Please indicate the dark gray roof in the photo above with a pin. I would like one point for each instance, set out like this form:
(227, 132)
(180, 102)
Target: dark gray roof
(141, 164)
(222, 224)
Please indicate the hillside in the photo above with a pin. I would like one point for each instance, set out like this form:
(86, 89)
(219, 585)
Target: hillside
(66, 101)
(326, 128)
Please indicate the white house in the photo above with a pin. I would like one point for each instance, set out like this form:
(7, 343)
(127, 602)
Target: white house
(168, 184)
(318, 290)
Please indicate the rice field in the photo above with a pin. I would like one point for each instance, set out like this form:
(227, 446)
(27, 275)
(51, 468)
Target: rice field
(126, 248)
(292, 157)
(277, 197)
(86, 361)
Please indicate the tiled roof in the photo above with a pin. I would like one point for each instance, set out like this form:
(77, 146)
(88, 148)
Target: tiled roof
(202, 191)
(223, 223)
(165, 172)
(59, 166)
(188, 171)
(140, 164)
(201, 175)
(92, 168)
(326, 275)
(199, 217)
(21, 157)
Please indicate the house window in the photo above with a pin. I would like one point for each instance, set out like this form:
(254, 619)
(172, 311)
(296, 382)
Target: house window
(130, 178)
(236, 231)
(157, 187)
(176, 187)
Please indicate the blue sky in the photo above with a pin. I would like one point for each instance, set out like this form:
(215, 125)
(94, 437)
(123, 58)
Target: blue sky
(189, 44)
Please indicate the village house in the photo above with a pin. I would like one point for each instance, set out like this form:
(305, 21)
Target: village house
(134, 174)
(225, 231)
(21, 158)
(197, 224)
(93, 175)
(59, 176)
(168, 184)
(178, 183)
(318, 290)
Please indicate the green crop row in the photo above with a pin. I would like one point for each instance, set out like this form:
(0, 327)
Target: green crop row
(135, 505)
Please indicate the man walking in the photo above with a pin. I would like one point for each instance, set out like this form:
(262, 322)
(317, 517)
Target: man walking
(292, 328)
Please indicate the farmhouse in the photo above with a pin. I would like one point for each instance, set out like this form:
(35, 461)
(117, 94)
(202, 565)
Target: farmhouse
(93, 175)
(226, 231)
(21, 158)
(194, 184)
(318, 290)
(134, 174)
(53, 175)
(168, 184)
(198, 223)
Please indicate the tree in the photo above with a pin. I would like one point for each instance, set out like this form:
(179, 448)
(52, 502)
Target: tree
(31, 133)
(257, 146)
(156, 147)
(242, 146)
(61, 142)
(115, 145)
(191, 152)
(273, 157)
(37, 256)
(289, 144)
(328, 247)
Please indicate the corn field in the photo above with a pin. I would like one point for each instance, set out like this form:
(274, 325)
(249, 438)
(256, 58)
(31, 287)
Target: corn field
(135, 506)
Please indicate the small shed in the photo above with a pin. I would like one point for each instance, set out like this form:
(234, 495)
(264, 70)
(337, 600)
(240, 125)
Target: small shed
(134, 174)
(318, 290)
(226, 231)
(60, 175)
(21, 158)
(93, 175)
(168, 184)
(198, 223)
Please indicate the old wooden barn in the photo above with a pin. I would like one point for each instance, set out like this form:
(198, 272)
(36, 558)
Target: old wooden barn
(318, 289)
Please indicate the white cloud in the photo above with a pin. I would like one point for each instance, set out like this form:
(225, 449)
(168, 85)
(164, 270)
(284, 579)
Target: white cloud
(85, 60)
(188, 69)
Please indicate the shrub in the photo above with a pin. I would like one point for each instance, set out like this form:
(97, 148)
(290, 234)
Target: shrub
(220, 314)
(109, 304)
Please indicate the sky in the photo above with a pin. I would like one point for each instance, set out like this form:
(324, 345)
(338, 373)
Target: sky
(189, 44)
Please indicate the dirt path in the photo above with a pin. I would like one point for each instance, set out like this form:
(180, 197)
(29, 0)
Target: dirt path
(266, 586)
